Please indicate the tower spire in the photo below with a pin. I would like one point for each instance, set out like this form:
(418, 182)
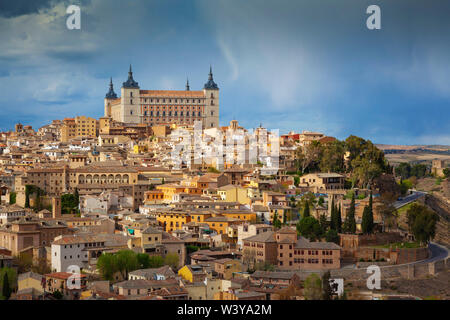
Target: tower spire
(210, 73)
(211, 85)
(188, 88)
(111, 94)
(130, 83)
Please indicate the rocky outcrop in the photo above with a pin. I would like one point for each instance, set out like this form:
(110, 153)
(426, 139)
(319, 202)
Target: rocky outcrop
(441, 206)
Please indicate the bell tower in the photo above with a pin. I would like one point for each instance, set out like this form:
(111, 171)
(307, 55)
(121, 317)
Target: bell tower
(130, 100)
(111, 95)
(211, 91)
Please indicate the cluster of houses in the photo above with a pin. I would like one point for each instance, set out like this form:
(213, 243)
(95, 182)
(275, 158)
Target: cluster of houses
(131, 197)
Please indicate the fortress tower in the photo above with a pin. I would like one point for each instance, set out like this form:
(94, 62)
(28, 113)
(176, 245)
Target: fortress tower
(164, 107)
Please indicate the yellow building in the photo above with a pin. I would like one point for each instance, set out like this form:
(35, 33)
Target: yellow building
(86, 127)
(220, 224)
(172, 220)
(233, 193)
(30, 280)
(68, 129)
(81, 126)
(227, 267)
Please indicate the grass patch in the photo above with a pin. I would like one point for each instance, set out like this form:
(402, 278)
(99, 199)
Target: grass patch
(405, 208)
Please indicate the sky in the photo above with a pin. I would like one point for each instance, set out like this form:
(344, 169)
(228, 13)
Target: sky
(288, 65)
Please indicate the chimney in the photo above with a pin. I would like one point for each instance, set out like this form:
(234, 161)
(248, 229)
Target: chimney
(56, 207)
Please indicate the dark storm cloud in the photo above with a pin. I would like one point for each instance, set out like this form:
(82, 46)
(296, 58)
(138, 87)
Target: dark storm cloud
(14, 8)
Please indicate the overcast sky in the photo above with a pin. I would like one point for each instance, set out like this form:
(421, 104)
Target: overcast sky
(291, 65)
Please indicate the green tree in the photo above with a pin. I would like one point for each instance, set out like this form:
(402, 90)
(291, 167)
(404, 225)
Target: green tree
(57, 295)
(332, 236)
(329, 288)
(69, 203)
(156, 261)
(106, 266)
(332, 159)
(321, 201)
(422, 222)
(350, 222)
(323, 223)
(172, 259)
(213, 170)
(367, 222)
(446, 172)
(12, 198)
(403, 170)
(339, 220)
(309, 228)
(6, 290)
(276, 222)
(313, 287)
(306, 211)
(143, 260)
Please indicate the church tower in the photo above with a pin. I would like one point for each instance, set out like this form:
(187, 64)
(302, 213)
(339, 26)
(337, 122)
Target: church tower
(130, 100)
(111, 95)
(211, 91)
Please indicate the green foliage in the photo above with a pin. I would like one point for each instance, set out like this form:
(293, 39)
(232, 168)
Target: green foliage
(336, 220)
(446, 172)
(332, 159)
(367, 221)
(69, 203)
(156, 262)
(332, 236)
(123, 261)
(321, 201)
(350, 222)
(213, 170)
(172, 259)
(276, 222)
(12, 197)
(366, 161)
(405, 170)
(296, 181)
(422, 222)
(190, 248)
(323, 223)
(309, 227)
(57, 295)
(29, 190)
(8, 280)
(264, 266)
(405, 185)
(313, 287)
(306, 212)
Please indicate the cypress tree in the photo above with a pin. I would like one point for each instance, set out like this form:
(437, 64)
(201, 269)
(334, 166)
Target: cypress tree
(339, 220)
(6, 290)
(332, 217)
(371, 225)
(306, 210)
(350, 222)
(365, 224)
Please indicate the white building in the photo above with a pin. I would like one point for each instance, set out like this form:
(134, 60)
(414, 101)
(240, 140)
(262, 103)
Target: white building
(83, 250)
(108, 202)
(250, 230)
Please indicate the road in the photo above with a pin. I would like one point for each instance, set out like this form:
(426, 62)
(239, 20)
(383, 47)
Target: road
(408, 199)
